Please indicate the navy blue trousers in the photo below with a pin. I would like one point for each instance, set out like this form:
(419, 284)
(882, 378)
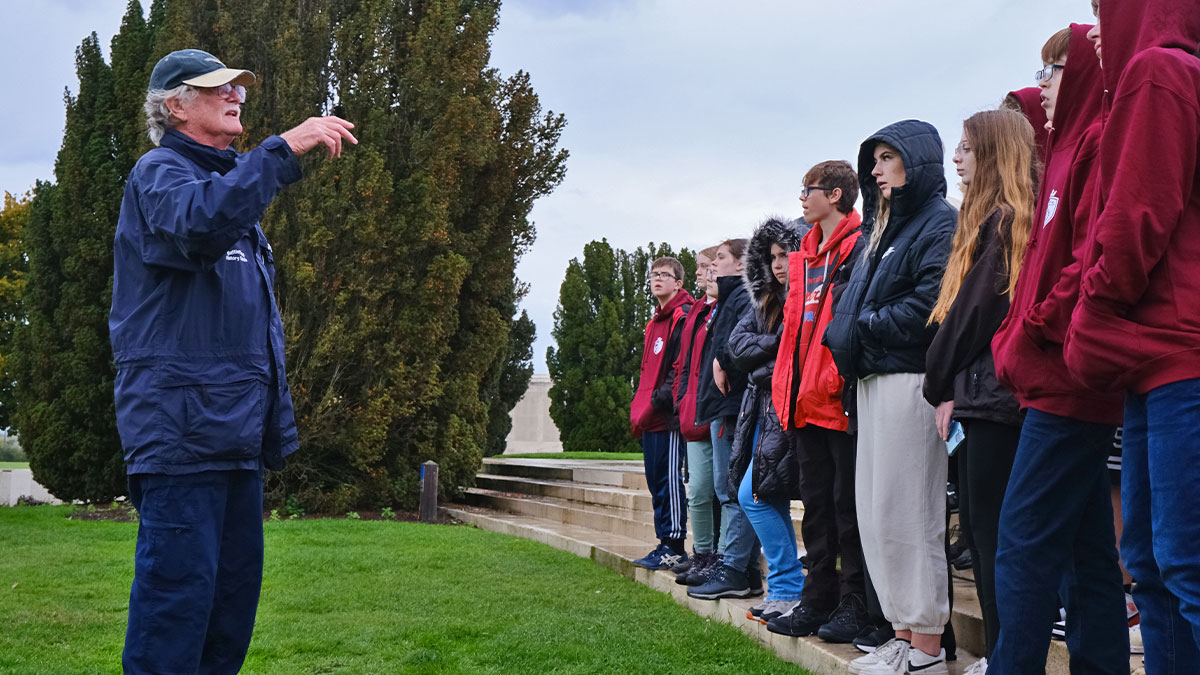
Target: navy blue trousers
(197, 572)
(662, 455)
(1056, 531)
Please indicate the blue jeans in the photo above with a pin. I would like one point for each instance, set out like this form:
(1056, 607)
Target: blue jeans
(772, 521)
(1160, 497)
(1056, 529)
(197, 571)
(738, 544)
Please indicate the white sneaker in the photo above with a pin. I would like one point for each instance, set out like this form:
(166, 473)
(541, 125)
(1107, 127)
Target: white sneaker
(924, 664)
(894, 652)
(1135, 640)
(977, 668)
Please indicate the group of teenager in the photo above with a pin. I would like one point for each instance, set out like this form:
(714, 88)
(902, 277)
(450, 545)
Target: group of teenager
(1052, 317)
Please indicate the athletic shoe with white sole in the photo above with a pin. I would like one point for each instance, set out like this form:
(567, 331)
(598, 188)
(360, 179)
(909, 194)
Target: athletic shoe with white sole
(771, 609)
(891, 654)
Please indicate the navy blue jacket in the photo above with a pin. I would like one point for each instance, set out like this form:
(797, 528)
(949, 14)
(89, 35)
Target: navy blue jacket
(196, 335)
(880, 322)
(732, 305)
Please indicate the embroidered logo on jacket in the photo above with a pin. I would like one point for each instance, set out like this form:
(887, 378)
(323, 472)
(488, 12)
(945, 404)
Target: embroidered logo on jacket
(236, 255)
(1051, 208)
(891, 250)
(658, 346)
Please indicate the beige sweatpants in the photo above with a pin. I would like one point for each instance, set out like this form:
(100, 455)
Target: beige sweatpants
(900, 485)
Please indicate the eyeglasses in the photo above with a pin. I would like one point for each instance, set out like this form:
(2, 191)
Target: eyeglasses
(230, 90)
(962, 149)
(807, 190)
(663, 275)
(1047, 72)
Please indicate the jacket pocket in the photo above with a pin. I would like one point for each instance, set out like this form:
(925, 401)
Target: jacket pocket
(222, 421)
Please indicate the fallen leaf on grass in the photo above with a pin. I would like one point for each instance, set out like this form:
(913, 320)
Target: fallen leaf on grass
(15, 584)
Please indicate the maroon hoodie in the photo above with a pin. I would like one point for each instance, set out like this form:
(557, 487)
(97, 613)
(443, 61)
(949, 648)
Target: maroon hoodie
(1028, 346)
(653, 405)
(1137, 325)
(1030, 99)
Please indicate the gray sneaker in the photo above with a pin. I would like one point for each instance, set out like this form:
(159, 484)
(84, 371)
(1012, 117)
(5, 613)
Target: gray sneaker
(765, 611)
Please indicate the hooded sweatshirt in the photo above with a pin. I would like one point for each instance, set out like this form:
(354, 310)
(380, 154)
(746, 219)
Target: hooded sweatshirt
(806, 387)
(653, 404)
(1030, 99)
(687, 370)
(1137, 325)
(880, 323)
(1028, 346)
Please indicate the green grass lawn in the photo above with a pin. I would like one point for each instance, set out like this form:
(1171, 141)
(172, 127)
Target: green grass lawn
(344, 596)
(627, 456)
(14, 465)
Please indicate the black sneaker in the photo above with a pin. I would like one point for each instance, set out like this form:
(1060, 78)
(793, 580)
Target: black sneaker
(802, 621)
(870, 641)
(726, 582)
(850, 620)
(963, 561)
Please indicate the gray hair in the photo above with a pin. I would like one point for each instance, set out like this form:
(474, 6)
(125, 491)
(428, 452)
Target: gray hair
(158, 116)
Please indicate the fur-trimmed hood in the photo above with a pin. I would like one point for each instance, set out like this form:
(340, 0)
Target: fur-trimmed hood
(756, 263)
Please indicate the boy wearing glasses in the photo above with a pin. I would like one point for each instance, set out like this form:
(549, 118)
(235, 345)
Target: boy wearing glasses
(1056, 523)
(654, 419)
(807, 393)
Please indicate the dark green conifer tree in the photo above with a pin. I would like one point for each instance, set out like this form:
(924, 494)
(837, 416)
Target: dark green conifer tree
(599, 329)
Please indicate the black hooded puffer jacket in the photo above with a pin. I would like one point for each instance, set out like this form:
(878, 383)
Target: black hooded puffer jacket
(753, 346)
(880, 322)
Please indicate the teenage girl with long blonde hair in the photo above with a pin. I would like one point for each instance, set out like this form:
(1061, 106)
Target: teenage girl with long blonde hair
(997, 163)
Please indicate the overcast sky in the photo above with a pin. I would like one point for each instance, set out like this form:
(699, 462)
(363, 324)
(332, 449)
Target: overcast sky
(687, 121)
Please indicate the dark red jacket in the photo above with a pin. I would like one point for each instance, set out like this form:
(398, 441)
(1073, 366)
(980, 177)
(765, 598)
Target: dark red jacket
(653, 407)
(1028, 346)
(687, 370)
(1137, 325)
(806, 387)
(1030, 99)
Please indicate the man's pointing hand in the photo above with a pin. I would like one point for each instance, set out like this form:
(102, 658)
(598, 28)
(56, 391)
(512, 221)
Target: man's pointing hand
(328, 131)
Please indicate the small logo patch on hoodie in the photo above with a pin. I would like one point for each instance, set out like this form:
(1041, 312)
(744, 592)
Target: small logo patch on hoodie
(1051, 208)
(658, 346)
(236, 255)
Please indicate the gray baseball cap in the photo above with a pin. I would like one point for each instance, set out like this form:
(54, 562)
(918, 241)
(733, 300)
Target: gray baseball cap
(197, 68)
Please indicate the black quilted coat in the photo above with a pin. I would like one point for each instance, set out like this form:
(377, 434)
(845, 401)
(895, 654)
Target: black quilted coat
(753, 346)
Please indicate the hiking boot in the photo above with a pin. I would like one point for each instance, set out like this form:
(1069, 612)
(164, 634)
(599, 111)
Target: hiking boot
(697, 577)
(660, 558)
(800, 622)
(850, 620)
(694, 574)
(892, 655)
(725, 582)
(869, 642)
(764, 612)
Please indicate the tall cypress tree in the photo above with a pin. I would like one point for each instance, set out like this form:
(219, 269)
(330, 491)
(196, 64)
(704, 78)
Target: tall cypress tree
(604, 305)
(63, 362)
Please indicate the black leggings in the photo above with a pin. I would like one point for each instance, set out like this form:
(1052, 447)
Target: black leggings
(985, 462)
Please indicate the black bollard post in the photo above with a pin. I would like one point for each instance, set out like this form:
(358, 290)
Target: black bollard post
(429, 492)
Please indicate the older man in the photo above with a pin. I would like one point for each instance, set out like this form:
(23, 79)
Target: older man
(202, 401)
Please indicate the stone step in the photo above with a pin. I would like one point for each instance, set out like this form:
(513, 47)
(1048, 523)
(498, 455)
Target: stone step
(597, 472)
(617, 553)
(601, 495)
(615, 520)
